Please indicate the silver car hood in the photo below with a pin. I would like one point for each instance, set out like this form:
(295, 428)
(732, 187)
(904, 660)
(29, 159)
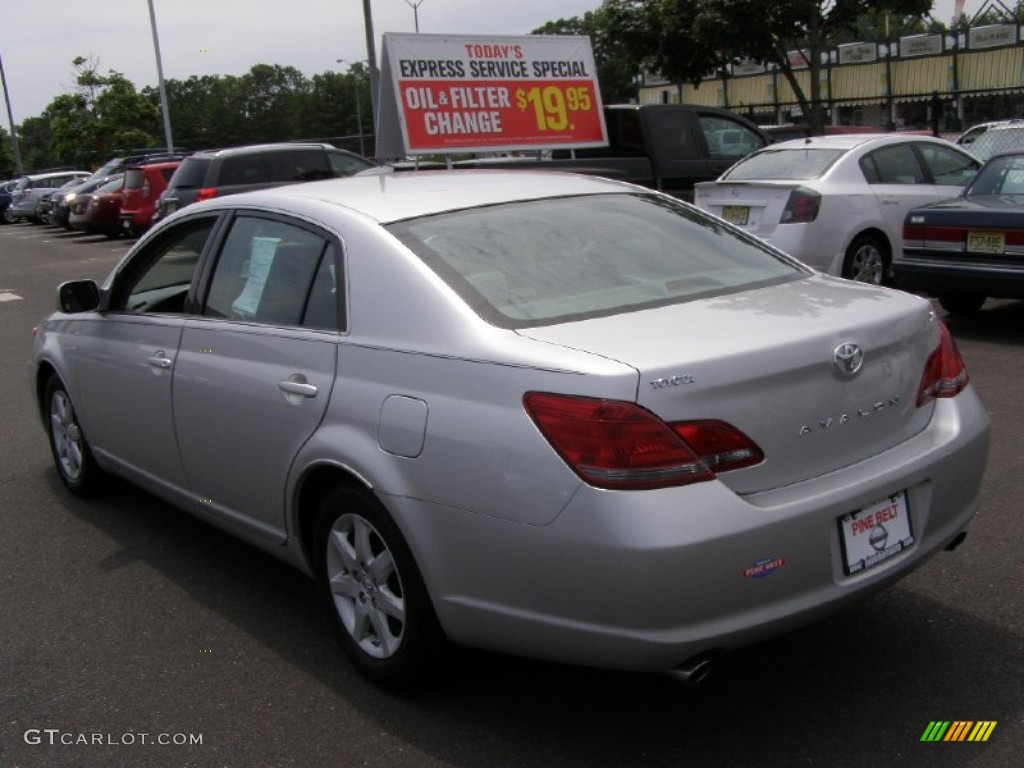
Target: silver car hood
(764, 361)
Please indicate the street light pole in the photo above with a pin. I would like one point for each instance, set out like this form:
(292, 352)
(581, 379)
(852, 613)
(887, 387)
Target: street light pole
(371, 59)
(10, 121)
(415, 5)
(160, 80)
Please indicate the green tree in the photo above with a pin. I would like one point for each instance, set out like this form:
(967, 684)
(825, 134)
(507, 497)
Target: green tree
(6, 155)
(104, 115)
(694, 37)
(34, 138)
(617, 59)
(272, 97)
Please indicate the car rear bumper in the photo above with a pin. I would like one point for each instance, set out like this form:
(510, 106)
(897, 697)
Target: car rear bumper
(647, 580)
(944, 276)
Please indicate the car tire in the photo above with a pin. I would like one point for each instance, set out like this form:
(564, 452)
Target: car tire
(9, 217)
(962, 303)
(379, 604)
(71, 453)
(867, 260)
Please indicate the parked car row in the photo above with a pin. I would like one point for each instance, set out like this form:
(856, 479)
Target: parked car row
(122, 197)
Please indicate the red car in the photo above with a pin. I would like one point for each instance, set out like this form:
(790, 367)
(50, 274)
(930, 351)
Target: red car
(98, 213)
(143, 185)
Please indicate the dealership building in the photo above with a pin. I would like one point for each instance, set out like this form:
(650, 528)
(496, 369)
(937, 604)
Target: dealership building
(956, 78)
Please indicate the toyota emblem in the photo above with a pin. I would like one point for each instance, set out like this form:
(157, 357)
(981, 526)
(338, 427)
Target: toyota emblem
(848, 358)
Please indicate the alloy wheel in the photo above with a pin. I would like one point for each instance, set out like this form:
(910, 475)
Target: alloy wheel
(365, 586)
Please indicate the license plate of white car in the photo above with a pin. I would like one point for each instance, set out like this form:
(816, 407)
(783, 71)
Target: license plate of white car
(875, 532)
(736, 214)
(986, 242)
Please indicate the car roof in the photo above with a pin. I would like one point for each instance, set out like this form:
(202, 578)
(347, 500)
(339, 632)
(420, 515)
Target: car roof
(54, 174)
(162, 165)
(851, 141)
(387, 196)
(256, 148)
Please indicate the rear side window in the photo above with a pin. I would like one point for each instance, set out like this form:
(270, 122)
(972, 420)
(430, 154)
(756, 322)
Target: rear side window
(785, 164)
(276, 273)
(895, 164)
(274, 167)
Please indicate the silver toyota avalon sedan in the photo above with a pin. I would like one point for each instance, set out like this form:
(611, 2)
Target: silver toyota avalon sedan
(545, 414)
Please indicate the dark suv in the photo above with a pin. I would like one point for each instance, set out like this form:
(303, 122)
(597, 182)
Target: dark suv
(220, 172)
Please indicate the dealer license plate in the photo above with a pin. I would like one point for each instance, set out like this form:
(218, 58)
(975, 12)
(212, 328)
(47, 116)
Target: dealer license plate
(736, 214)
(986, 242)
(874, 533)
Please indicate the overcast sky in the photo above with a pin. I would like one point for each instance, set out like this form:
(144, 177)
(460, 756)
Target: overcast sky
(38, 40)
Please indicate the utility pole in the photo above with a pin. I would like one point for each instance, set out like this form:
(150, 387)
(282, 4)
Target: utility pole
(160, 80)
(10, 121)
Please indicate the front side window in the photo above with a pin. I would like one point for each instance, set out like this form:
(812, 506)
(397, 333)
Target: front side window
(274, 272)
(948, 166)
(159, 278)
(555, 260)
(728, 138)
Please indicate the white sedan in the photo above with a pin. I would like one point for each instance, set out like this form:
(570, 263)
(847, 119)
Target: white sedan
(837, 203)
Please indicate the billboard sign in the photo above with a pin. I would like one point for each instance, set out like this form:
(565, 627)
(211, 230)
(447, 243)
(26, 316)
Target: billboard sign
(461, 93)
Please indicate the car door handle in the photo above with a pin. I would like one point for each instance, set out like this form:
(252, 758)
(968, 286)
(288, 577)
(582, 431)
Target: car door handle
(891, 200)
(160, 360)
(296, 384)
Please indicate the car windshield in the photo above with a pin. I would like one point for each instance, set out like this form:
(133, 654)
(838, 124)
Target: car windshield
(555, 260)
(1000, 176)
(785, 164)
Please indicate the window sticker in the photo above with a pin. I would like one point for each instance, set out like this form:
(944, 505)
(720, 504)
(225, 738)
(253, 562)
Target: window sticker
(261, 256)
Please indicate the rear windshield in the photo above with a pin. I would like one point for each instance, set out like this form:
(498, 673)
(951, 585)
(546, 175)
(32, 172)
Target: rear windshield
(785, 164)
(190, 173)
(548, 261)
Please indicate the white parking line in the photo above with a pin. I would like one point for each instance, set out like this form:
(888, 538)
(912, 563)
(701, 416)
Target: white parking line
(9, 296)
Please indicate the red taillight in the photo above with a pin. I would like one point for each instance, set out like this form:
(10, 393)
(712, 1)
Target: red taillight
(621, 446)
(721, 445)
(945, 374)
(801, 207)
(206, 193)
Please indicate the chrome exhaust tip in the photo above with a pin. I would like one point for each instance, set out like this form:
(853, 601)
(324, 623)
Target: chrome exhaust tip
(693, 671)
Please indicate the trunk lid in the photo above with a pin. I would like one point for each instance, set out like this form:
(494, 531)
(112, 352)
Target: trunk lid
(763, 361)
(755, 206)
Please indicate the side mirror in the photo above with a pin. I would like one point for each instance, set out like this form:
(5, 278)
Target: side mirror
(78, 296)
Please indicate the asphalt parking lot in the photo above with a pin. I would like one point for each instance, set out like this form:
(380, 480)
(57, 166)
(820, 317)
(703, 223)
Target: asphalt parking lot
(130, 629)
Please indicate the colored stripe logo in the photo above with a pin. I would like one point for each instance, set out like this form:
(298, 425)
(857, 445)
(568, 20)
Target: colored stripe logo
(958, 730)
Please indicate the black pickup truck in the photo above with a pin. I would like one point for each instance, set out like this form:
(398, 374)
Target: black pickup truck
(664, 146)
